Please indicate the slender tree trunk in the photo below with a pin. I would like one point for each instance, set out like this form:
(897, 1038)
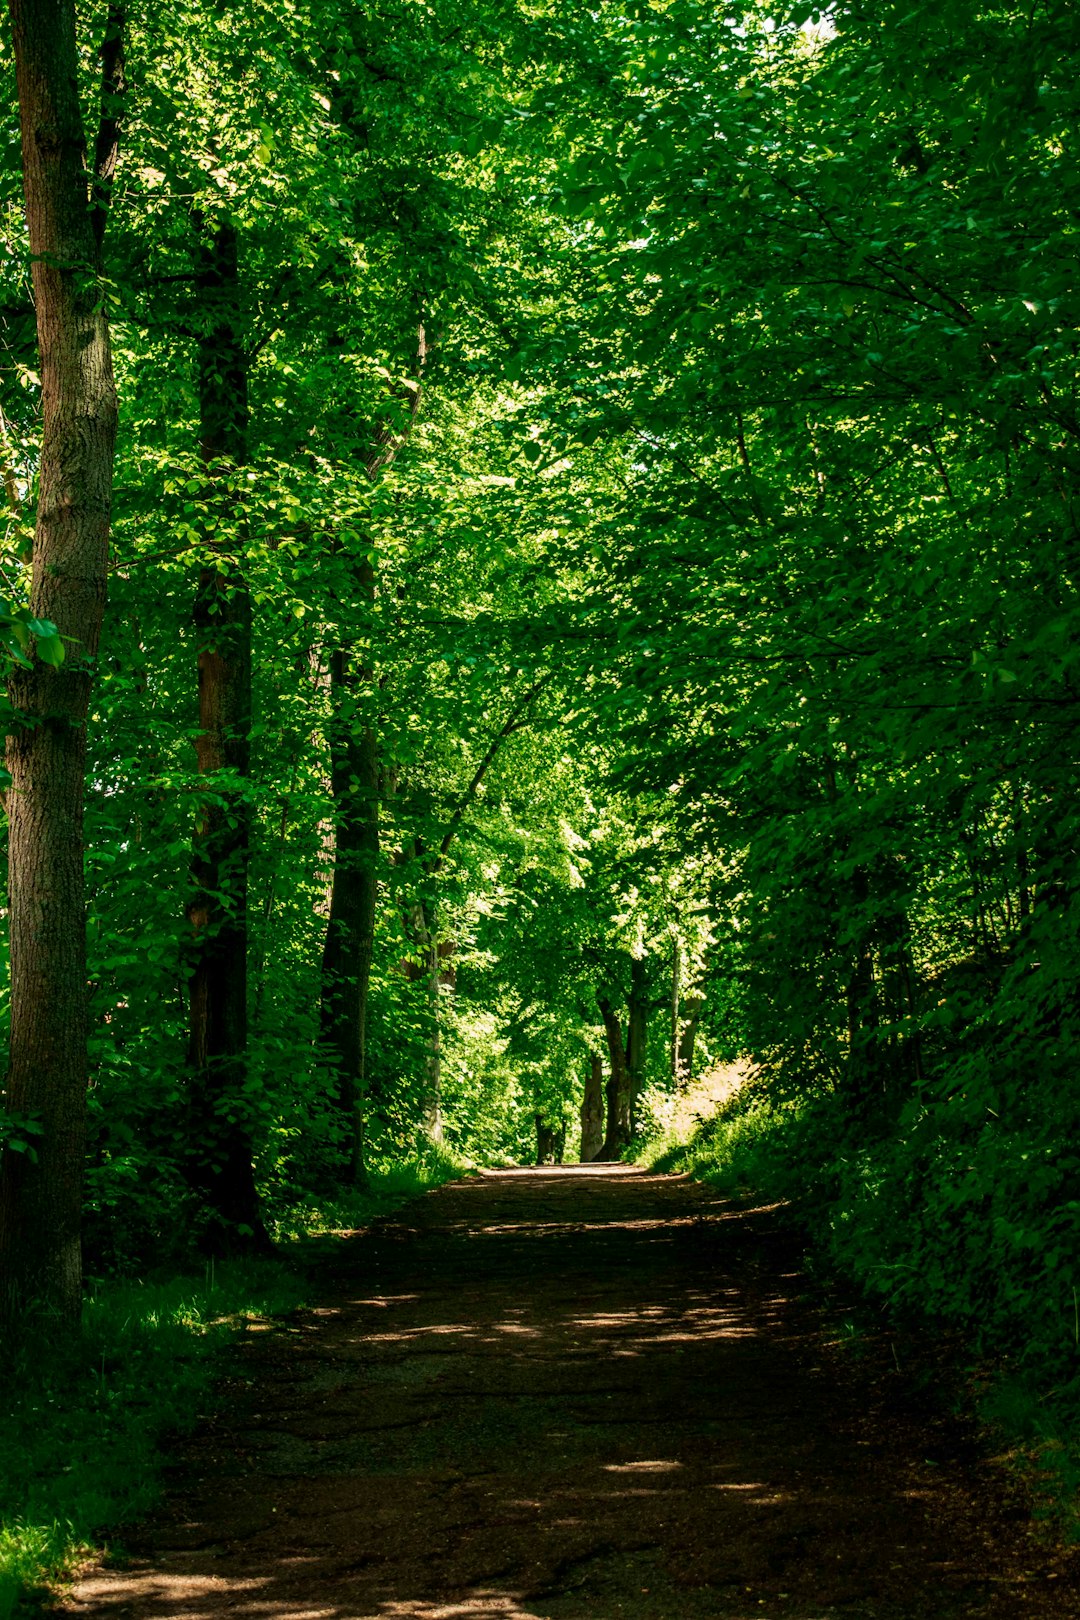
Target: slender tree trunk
(548, 1149)
(217, 992)
(431, 952)
(617, 1092)
(676, 991)
(350, 932)
(432, 1108)
(592, 1110)
(41, 1196)
(899, 992)
(430, 971)
(863, 1020)
(692, 1010)
(637, 1017)
(1023, 865)
(349, 947)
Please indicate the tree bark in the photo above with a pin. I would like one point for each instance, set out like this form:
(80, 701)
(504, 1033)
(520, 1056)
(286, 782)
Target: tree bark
(592, 1110)
(221, 1162)
(432, 1107)
(691, 1020)
(429, 970)
(548, 1141)
(41, 1196)
(863, 1017)
(349, 947)
(350, 930)
(617, 1091)
(676, 992)
(637, 1023)
(899, 991)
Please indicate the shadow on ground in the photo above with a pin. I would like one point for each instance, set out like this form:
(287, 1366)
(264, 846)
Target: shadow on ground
(573, 1394)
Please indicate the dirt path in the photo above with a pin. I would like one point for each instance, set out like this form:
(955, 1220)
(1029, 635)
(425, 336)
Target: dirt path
(569, 1394)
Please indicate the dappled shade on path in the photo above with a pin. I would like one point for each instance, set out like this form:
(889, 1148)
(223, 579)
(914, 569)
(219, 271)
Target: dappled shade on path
(571, 1393)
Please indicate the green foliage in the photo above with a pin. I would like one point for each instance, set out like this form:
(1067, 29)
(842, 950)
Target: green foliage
(401, 1179)
(19, 1134)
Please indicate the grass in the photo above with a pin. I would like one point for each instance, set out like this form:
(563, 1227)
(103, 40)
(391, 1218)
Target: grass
(709, 1132)
(82, 1421)
(84, 1426)
(387, 1189)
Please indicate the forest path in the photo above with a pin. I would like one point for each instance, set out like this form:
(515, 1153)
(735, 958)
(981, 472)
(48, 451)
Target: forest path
(577, 1394)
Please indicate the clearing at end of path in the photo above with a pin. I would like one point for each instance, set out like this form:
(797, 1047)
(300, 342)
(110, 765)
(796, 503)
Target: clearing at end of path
(574, 1394)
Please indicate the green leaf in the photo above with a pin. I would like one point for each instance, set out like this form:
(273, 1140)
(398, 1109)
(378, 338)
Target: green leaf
(50, 649)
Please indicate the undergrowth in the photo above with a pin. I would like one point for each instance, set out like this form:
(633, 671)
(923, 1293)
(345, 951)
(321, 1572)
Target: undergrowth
(83, 1426)
(959, 1225)
(388, 1187)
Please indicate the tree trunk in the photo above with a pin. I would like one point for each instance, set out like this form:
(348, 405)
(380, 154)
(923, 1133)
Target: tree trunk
(691, 1020)
(592, 1110)
(636, 1033)
(863, 1020)
(899, 988)
(676, 991)
(432, 1111)
(617, 1094)
(350, 931)
(41, 1195)
(430, 970)
(349, 947)
(221, 1164)
(547, 1141)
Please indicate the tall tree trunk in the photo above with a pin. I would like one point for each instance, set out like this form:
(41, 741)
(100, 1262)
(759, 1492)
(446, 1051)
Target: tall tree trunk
(221, 1162)
(863, 1018)
(429, 970)
(592, 1110)
(548, 1145)
(676, 992)
(637, 1023)
(349, 947)
(691, 1021)
(899, 991)
(41, 1196)
(417, 921)
(432, 1112)
(350, 931)
(617, 1091)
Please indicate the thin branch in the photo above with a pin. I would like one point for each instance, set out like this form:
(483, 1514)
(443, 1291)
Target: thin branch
(512, 724)
(387, 443)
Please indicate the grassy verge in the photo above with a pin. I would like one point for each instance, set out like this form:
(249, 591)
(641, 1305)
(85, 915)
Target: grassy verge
(321, 1216)
(81, 1423)
(83, 1426)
